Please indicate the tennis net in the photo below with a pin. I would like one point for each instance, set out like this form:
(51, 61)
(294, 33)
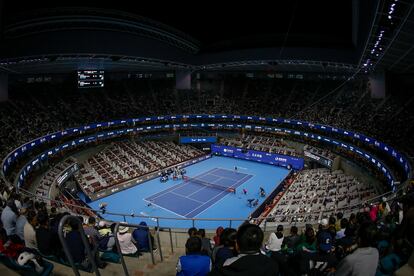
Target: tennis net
(207, 184)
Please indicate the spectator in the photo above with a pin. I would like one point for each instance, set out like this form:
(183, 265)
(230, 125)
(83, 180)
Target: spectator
(74, 242)
(227, 248)
(292, 241)
(373, 212)
(29, 232)
(20, 223)
(341, 233)
(216, 238)
(205, 243)
(107, 240)
(349, 242)
(91, 232)
(126, 241)
(192, 232)
(10, 246)
(140, 235)
(275, 240)
(193, 263)
(249, 261)
(47, 241)
(309, 242)
(339, 216)
(322, 262)
(77, 248)
(9, 217)
(104, 229)
(53, 213)
(326, 227)
(364, 260)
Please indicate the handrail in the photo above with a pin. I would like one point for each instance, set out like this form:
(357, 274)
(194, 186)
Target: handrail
(119, 246)
(351, 207)
(84, 241)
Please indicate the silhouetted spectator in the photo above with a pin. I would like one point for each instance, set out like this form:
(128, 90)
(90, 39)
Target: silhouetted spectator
(193, 263)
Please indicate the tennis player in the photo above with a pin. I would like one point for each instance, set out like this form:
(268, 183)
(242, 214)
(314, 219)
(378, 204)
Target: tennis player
(250, 201)
(262, 192)
(244, 191)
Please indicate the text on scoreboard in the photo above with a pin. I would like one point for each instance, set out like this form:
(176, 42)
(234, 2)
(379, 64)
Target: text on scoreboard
(90, 78)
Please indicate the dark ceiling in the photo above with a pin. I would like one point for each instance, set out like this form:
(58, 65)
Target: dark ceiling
(234, 25)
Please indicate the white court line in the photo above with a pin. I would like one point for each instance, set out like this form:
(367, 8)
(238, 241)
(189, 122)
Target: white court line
(177, 186)
(235, 172)
(187, 197)
(213, 199)
(183, 184)
(202, 187)
(168, 210)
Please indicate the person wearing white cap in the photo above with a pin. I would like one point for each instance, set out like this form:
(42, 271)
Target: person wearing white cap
(126, 241)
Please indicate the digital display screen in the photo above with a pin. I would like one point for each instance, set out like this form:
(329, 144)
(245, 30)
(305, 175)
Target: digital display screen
(90, 78)
(67, 173)
(191, 139)
(320, 159)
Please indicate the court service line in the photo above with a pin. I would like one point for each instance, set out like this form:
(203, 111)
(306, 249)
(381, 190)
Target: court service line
(165, 209)
(221, 168)
(211, 199)
(198, 201)
(173, 188)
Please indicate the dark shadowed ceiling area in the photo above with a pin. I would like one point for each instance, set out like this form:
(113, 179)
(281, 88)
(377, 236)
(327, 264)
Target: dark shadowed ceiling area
(227, 25)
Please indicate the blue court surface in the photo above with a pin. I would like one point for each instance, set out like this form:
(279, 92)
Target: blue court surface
(179, 201)
(190, 198)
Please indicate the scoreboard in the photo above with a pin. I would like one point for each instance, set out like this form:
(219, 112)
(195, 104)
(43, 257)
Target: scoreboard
(90, 78)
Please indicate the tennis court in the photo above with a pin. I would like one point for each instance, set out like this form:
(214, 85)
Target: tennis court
(190, 198)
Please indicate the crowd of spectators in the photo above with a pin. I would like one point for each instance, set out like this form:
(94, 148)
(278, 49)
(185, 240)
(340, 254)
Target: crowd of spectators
(32, 226)
(37, 109)
(260, 143)
(318, 193)
(122, 161)
(361, 244)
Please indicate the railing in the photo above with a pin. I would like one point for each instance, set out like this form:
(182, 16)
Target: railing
(149, 242)
(222, 221)
(84, 241)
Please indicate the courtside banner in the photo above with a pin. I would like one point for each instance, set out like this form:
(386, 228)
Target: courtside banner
(258, 156)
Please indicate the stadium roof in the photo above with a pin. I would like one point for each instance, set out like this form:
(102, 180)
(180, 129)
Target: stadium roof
(321, 36)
